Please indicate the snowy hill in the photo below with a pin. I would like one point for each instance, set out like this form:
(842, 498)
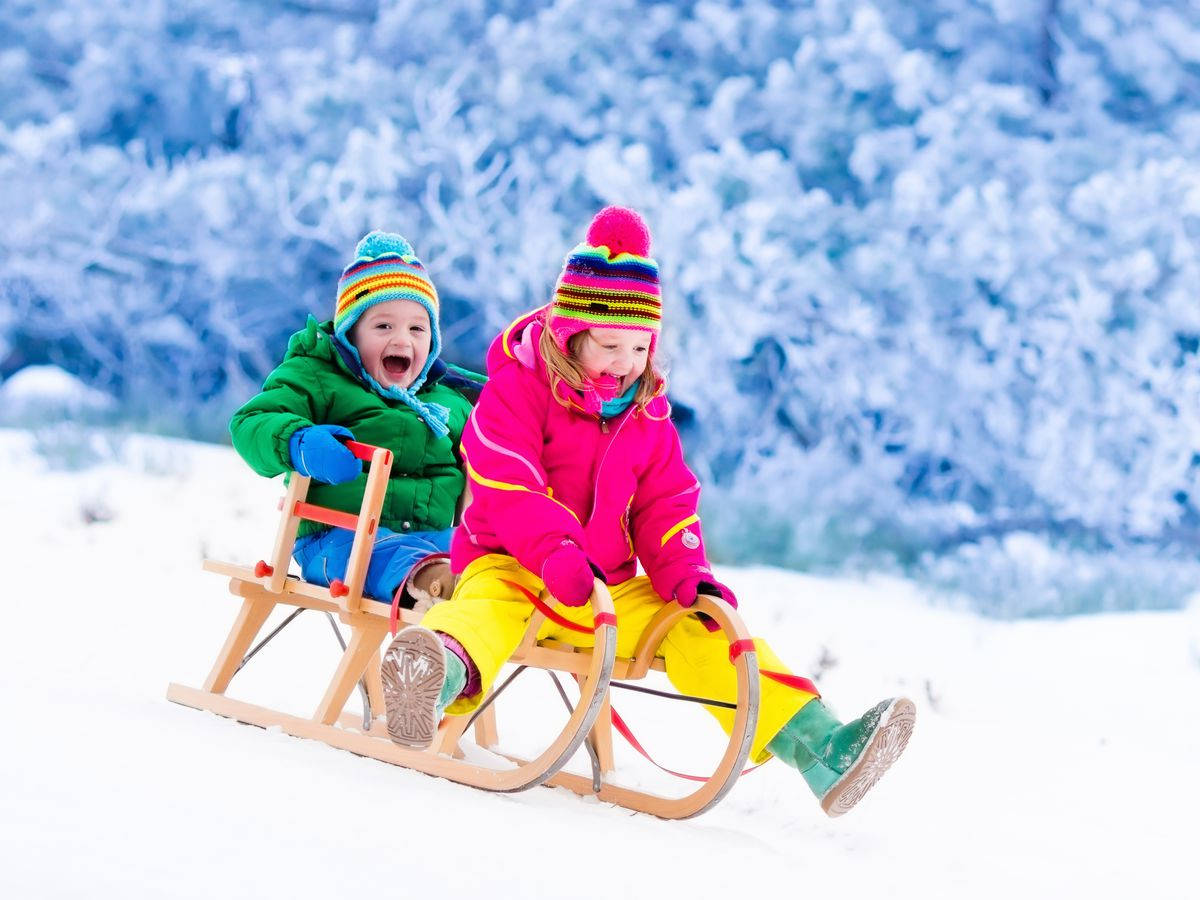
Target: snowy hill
(1051, 758)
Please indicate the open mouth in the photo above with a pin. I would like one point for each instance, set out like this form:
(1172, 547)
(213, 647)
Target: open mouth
(396, 367)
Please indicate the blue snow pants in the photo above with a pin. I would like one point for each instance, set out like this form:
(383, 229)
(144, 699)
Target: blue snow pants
(323, 556)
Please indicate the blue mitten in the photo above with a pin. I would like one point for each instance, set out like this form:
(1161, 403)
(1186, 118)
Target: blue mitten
(317, 453)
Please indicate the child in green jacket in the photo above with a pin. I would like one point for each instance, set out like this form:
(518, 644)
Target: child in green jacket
(371, 375)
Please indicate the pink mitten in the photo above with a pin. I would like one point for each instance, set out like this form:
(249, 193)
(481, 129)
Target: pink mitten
(567, 575)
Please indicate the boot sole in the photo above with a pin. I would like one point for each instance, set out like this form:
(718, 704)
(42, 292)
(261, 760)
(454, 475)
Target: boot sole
(412, 671)
(884, 748)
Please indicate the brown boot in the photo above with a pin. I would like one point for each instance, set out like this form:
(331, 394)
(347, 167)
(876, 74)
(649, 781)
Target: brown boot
(429, 581)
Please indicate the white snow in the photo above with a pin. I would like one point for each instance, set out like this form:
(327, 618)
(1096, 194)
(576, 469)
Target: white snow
(35, 392)
(1051, 758)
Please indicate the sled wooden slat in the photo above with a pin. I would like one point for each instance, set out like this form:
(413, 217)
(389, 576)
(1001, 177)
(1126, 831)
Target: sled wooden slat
(299, 593)
(245, 628)
(374, 682)
(285, 537)
(368, 521)
(452, 729)
(375, 747)
(487, 734)
(363, 644)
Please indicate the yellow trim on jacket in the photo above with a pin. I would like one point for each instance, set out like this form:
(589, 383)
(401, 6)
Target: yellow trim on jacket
(678, 527)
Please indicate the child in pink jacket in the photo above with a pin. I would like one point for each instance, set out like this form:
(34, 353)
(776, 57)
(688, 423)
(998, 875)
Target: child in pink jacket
(575, 472)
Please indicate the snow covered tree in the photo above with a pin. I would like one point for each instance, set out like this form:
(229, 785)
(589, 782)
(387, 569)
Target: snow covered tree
(930, 266)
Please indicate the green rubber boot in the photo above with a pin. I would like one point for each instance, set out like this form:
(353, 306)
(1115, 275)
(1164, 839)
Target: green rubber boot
(840, 763)
(420, 679)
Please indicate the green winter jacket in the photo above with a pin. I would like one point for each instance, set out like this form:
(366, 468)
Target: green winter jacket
(316, 385)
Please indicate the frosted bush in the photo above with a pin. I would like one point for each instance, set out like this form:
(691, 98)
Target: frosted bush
(929, 266)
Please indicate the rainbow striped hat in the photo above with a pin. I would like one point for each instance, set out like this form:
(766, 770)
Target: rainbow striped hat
(608, 281)
(386, 268)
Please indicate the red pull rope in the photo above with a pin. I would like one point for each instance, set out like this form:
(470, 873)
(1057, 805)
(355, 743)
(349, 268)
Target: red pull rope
(623, 730)
(798, 682)
(549, 613)
(736, 649)
(394, 616)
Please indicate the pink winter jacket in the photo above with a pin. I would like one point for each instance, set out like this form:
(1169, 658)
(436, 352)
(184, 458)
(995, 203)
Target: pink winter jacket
(541, 473)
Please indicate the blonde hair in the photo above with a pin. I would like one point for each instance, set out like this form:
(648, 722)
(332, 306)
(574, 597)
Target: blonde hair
(565, 368)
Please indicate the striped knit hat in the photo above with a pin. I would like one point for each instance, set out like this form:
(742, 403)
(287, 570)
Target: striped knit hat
(386, 268)
(608, 281)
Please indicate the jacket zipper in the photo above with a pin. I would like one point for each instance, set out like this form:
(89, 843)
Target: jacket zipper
(599, 468)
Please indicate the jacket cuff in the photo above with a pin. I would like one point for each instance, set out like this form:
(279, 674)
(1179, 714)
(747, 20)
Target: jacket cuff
(597, 571)
(283, 442)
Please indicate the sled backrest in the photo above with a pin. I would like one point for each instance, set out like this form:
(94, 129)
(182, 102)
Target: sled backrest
(272, 573)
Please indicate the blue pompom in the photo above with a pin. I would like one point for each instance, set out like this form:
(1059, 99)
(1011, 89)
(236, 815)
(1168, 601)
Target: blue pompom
(377, 243)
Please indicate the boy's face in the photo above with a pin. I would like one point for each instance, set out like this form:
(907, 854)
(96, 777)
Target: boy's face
(393, 340)
(620, 353)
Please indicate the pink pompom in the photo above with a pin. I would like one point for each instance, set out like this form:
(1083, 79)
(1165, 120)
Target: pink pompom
(621, 230)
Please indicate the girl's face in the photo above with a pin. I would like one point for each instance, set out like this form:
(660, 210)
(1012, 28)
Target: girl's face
(393, 339)
(620, 353)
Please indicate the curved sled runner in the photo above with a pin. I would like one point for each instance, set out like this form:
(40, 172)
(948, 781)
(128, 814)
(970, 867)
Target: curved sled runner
(268, 585)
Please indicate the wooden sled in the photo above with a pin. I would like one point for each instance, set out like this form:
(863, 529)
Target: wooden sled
(268, 585)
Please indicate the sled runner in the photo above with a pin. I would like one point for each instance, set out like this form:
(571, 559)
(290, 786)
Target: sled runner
(267, 585)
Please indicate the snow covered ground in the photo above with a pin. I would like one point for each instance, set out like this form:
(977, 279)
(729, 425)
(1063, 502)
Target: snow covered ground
(1051, 758)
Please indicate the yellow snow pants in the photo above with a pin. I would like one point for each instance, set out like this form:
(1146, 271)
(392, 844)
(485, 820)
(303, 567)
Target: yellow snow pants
(489, 618)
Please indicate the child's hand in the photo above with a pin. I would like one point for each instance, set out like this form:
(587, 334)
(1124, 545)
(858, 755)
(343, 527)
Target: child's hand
(568, 575)
(317, 453)
(686, 591)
